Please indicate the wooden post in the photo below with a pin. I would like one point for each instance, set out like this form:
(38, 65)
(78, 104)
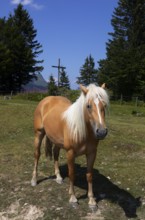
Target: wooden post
(59, 67)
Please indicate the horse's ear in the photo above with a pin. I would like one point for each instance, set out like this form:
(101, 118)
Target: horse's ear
(84, 89)
(103, 86)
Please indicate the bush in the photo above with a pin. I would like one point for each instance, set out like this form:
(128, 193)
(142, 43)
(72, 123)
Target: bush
(70, 94)
(31, 96)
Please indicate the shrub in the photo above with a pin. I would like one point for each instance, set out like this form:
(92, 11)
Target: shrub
(31, 96)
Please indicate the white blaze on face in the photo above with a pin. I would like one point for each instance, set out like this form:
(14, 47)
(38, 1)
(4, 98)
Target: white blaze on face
(96, 101)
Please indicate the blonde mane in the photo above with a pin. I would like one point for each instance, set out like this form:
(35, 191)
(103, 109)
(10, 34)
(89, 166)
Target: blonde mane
(74, 115)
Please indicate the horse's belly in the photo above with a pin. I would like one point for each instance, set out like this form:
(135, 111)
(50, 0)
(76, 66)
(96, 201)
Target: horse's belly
(54, 130)
(58, 140)
(55, 135)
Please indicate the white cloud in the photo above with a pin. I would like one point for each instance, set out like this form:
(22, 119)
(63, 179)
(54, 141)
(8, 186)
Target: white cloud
(36, 6)
(15, 1)
(27, 2)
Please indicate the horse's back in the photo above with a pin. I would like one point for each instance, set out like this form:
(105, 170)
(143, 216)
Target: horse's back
(50, 103)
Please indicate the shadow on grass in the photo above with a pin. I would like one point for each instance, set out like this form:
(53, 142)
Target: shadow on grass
(45, 179)
(104, 189)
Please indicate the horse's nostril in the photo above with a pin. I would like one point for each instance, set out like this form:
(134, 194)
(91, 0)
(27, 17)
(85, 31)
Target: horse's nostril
(102, 132)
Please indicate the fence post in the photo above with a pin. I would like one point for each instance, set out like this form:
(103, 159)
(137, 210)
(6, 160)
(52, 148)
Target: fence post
(11, 94)
(136, 102)
(121, 99)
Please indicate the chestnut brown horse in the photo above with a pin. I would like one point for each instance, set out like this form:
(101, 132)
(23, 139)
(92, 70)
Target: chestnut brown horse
(76, 127)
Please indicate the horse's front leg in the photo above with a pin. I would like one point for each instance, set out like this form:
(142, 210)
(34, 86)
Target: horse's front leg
(70, 160)
(90, 163)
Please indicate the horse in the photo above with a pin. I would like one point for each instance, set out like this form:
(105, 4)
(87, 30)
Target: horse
(76, 127)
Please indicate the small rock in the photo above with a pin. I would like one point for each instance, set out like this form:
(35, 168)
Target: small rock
(108, 177)
(59, 208)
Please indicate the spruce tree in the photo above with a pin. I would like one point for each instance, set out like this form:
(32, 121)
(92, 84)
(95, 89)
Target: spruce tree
(64, 80)
(88, 73)
(18, 39)
(32, 48)
(124, 68)
(5, 60)
(52, 87)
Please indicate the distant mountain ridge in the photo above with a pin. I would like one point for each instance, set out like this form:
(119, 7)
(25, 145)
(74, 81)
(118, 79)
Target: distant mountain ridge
(36, 85)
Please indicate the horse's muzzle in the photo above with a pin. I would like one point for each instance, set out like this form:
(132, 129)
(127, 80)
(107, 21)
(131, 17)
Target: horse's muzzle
(101, 133)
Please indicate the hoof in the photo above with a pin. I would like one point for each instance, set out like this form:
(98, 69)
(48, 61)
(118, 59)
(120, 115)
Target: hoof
(73, 199)
(33, 182)
(59, 180)
(92, 202)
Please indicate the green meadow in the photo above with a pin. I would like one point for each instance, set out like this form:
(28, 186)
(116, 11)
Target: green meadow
(119, 171)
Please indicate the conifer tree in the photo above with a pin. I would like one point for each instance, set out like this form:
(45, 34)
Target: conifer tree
(64, 80)
(5, 59)
(88, 73)
(124, 68)
(18, 39)
(52, 87)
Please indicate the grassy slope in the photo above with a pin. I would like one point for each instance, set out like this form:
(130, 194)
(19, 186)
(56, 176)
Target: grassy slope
(119, 172)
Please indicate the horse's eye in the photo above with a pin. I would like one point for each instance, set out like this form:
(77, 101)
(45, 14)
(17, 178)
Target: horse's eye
(89, 106)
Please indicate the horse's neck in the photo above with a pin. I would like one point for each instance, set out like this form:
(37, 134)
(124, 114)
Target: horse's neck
(75, 119)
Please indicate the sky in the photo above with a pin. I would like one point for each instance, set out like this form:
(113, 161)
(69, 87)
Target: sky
(69, 30)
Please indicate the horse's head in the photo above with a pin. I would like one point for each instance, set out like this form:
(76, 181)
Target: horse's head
(96, 102)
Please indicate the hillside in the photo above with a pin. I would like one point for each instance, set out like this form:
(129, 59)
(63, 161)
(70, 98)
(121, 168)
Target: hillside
(38, 84)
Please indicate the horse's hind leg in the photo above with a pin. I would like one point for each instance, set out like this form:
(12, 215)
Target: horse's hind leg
(37, 144)
(48, 147)
(56, 151)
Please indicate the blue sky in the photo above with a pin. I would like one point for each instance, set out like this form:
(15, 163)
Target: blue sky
(68, 29)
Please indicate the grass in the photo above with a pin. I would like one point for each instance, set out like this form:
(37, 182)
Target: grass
(119, 171)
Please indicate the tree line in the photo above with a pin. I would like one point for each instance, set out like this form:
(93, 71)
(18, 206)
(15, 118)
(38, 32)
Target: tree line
(124, 66)
(123, 69)
(64, 84)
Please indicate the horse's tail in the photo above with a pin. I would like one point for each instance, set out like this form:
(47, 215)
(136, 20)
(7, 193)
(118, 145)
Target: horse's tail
(48, 147)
